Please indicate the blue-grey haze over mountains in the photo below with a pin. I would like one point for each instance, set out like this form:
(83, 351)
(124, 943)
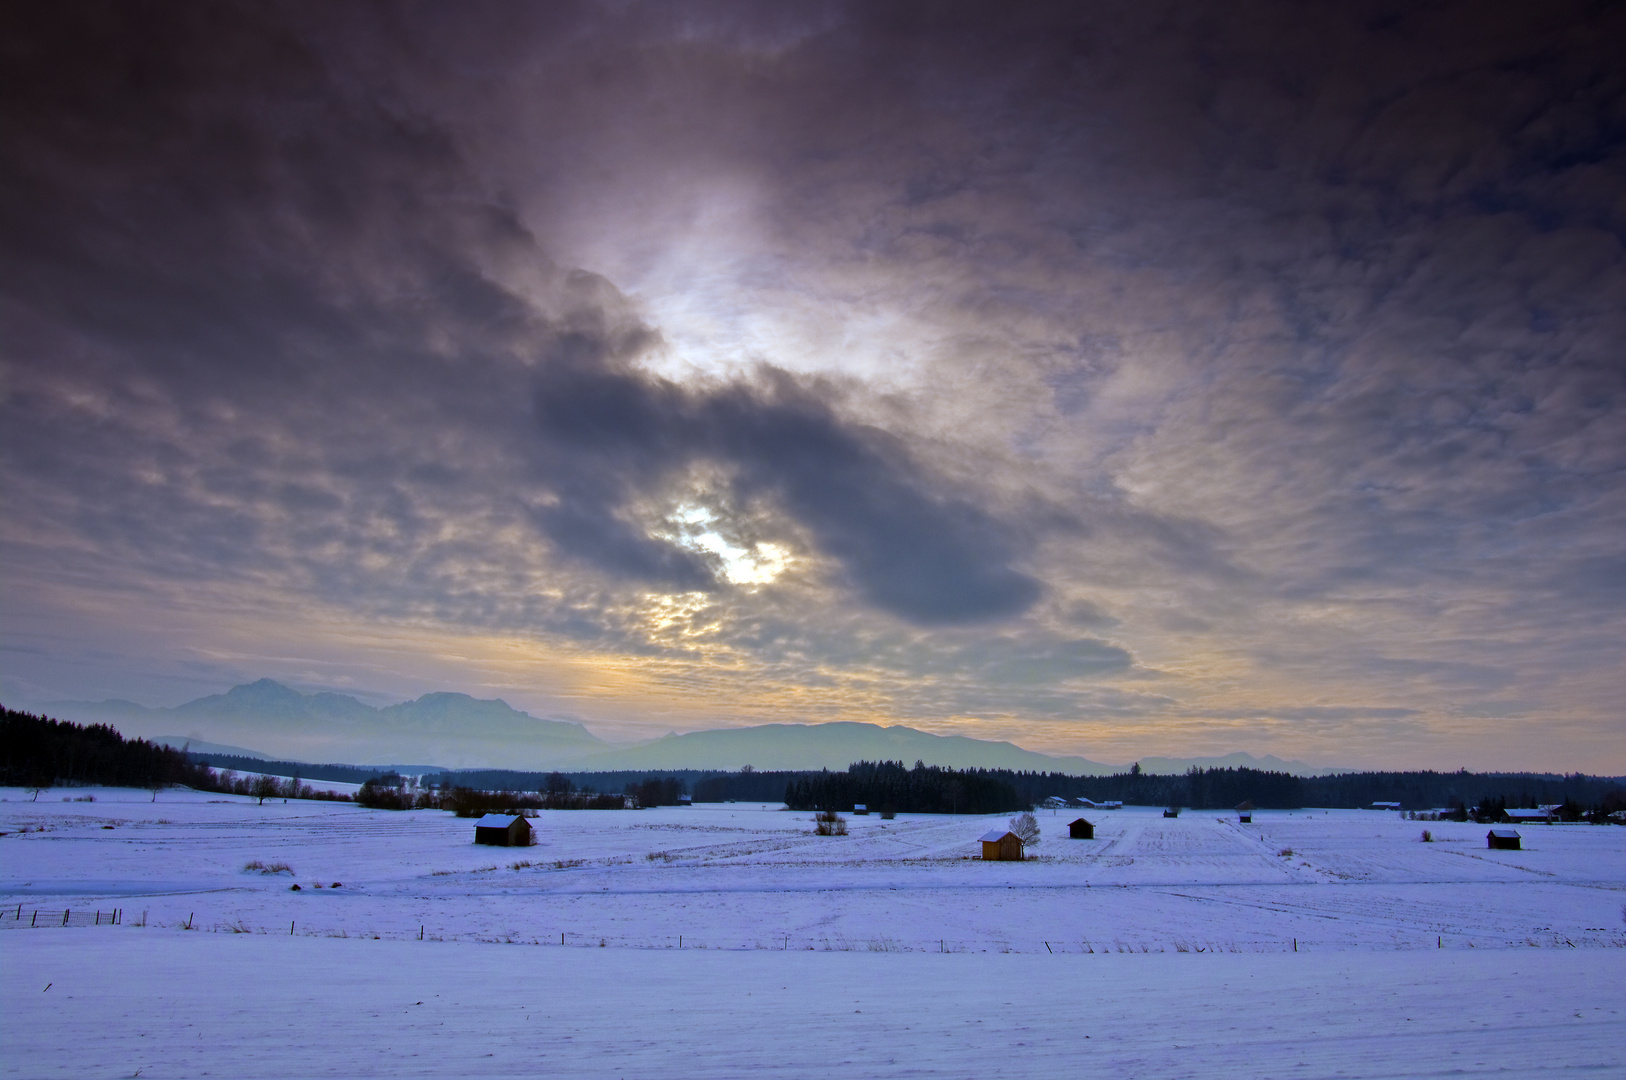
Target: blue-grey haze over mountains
(447, 730)
(1118, 380)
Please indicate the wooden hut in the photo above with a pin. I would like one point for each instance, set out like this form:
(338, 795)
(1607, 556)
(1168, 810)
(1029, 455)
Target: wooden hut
(1173, 811)
(1503, 839)
(1244, 811)
(1081, 830)
(503, 830)
(860, 809)
(1001, 845)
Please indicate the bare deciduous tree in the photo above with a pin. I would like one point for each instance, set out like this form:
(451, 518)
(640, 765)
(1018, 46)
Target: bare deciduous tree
(1026, 827)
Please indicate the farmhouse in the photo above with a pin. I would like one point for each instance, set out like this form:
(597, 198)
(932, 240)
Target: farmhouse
(1503, 839)
(1081, 830)
(1517, 816)
(503, 830)
(1001, 845)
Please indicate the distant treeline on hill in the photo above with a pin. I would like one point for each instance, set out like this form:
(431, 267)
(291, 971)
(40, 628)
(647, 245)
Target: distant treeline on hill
(38, 752)
(603, 782)
(1207, 789)
(929, 789)
(328, 774)
(925, 789)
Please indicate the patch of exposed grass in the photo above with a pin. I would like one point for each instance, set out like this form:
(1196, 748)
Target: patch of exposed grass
(268, 868)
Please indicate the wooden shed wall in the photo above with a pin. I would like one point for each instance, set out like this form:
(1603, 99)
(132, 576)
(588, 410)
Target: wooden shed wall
(1007, 850)
(517, 834)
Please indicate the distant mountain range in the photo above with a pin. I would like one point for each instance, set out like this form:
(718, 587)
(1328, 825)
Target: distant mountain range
(453, 730)
(839, 744)
(459, 731)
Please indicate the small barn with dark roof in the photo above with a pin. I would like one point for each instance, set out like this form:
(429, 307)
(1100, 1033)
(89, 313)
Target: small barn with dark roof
(1081, 830)
(1244, 811)
(503, 830)
(1001, 845)
(1503, 839)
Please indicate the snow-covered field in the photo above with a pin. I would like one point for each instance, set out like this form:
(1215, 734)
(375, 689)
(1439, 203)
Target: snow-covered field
(728, 940)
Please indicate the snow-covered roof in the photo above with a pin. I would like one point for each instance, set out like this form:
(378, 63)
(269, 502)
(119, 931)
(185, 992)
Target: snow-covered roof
(993, 836)
(1506, 834)
(496, 821)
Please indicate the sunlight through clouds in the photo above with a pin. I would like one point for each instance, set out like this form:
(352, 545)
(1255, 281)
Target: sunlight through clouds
(1128, 378)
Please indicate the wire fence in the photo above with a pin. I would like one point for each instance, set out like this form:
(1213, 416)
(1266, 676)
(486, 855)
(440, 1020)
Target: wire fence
(13, 918)
(18, 916)
(22, 917)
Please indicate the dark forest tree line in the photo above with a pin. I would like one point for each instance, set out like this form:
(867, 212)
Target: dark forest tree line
(323, 773)
(1421, 790)
(39, 753)
(888, 786)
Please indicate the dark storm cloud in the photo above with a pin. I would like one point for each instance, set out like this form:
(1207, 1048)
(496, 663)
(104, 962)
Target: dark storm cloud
(926, 556)
(249, 317)
(306, 273)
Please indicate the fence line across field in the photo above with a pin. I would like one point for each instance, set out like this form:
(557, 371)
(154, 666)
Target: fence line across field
(38, 918)
(12, 918)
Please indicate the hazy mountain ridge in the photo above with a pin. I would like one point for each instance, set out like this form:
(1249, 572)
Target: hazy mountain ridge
(839, 744)
(279, 722)
(459, 731)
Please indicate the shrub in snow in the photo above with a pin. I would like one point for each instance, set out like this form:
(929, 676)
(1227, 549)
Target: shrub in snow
(829, 823)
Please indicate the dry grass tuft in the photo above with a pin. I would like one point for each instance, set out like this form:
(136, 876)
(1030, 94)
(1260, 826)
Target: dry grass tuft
(268, 868)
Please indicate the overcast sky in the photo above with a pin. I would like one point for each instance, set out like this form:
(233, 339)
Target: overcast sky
(1118, 379)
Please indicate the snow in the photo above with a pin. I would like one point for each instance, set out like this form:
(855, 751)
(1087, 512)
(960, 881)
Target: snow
(720, 940)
